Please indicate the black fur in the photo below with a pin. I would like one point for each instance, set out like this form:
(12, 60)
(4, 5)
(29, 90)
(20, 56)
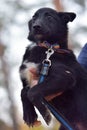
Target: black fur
(65, 74)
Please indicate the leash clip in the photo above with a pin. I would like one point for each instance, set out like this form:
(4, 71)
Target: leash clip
(49, 52)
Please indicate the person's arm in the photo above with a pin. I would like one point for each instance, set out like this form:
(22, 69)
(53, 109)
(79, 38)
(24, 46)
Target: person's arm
(82, 58)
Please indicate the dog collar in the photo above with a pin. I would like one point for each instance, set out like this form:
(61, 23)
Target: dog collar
(55, 47)
(45, 44)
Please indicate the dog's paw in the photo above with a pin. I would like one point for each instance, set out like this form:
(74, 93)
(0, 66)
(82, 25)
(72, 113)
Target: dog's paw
(37, 123)
(29, 113)
(47, 117)
(29, 117)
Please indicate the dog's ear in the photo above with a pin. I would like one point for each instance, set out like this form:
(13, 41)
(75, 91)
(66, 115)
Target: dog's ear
(67, 16)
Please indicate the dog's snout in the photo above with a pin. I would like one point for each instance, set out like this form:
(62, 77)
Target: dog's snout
(37, 27)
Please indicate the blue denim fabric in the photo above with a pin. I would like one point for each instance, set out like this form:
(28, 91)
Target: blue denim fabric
(82, 58)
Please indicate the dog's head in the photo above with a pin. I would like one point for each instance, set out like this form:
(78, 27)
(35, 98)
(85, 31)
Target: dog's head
(49, 25)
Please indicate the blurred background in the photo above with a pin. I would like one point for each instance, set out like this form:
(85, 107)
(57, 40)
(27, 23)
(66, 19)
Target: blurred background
(14, 16)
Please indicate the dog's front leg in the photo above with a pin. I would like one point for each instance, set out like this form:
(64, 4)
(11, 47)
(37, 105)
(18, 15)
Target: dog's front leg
(50, 86)
(29, 113)
(36, 99)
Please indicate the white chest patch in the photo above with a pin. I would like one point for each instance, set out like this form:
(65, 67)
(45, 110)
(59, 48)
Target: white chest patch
(30, 73)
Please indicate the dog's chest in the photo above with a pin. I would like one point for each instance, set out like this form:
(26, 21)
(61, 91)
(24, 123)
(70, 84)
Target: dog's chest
(30, 73)
(32, 62)
(32, 65)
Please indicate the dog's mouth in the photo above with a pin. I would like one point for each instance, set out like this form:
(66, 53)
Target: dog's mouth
(39, 36)
(39, 32)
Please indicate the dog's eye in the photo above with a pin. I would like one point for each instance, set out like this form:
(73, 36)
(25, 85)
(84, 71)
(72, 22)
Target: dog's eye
(34, 18)
(48, 16)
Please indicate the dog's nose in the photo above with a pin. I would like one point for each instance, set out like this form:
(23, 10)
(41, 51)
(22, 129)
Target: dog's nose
(37, 27)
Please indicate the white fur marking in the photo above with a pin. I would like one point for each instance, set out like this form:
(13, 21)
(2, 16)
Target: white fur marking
(25, 73)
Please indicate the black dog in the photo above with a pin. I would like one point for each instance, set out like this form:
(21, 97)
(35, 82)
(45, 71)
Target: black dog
(66, 82)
